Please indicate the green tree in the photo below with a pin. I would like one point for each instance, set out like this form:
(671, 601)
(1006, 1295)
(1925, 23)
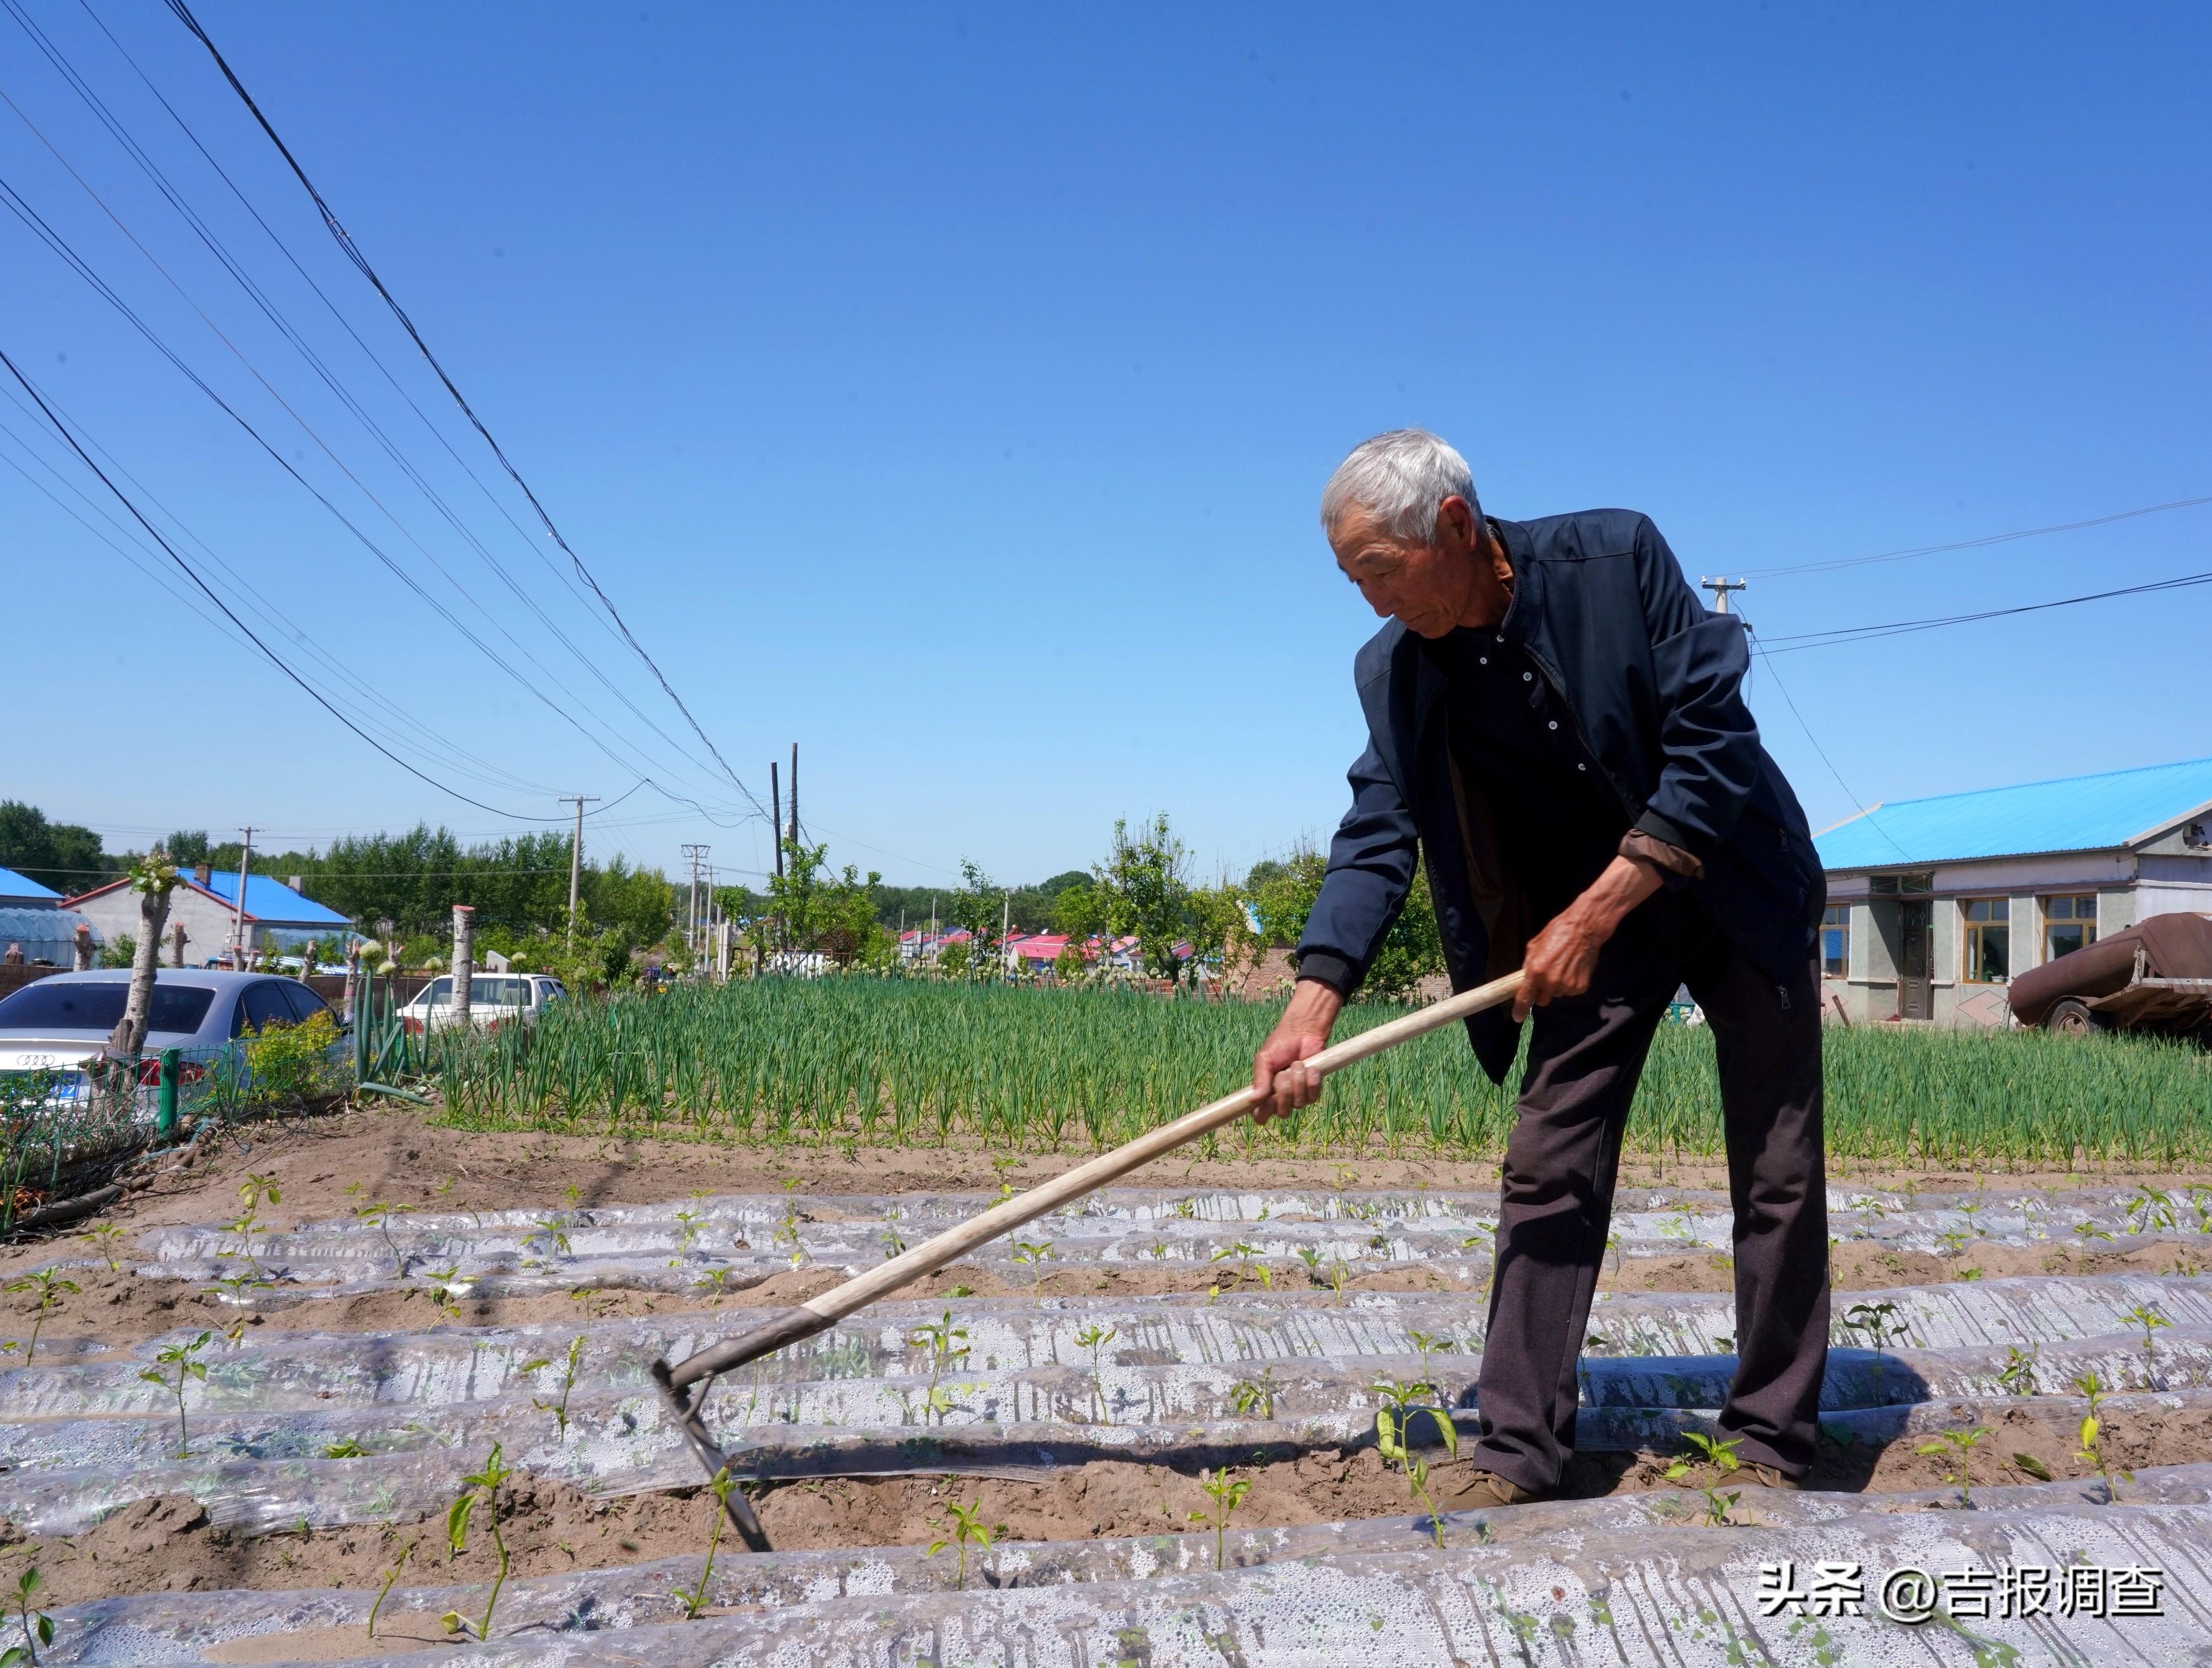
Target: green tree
(1147, 892)
(977, 906)
(812, 908)
(1282, 894)
(62, 856)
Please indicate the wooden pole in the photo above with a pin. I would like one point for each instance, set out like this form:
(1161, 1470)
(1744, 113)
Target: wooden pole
(819, 1314)
(955, 1243)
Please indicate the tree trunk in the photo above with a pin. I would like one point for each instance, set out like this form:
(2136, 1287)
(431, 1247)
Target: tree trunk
(465, 935)
(130, 1036)
(82, 947)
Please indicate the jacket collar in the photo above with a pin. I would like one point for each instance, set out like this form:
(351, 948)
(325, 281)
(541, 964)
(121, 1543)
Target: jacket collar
(1527, 608)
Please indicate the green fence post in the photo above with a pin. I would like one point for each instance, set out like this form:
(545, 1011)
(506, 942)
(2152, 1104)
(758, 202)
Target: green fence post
(165, 1110)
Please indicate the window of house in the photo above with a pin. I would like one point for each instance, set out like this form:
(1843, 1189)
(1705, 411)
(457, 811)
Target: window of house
(1836, 941)
(2070, 923)
(1989, 959)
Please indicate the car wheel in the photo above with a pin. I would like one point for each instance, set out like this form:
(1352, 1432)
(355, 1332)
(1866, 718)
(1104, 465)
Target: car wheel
(2071, 1018)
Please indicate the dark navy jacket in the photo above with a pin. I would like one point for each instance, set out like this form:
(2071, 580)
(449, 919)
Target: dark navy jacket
(1653, 681)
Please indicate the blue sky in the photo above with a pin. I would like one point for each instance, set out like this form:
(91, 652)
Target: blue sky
(950, 391)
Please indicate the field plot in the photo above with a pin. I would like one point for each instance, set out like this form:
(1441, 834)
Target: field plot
(1154, 1414)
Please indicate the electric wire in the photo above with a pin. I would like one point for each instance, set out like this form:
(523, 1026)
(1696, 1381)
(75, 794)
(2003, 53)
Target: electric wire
(431, 742)
(1799, 641)
(1971, 543)
(276, 317)
(346, 243)
(565, 577)
(312, 693)
(22, 209)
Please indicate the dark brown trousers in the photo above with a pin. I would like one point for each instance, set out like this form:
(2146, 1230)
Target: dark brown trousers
(1584, 1057)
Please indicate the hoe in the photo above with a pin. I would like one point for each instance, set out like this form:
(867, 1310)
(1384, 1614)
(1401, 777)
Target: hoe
(819, 1314)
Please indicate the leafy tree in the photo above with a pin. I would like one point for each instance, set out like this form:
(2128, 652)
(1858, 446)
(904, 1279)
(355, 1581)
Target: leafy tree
(1147, 892)
(1283, 897)
(976, 906)
(65, 857)
(1079, 911)
(810, 908)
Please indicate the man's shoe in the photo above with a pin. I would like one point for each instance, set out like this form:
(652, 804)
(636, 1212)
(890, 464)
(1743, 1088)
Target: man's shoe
(1768, 1477)
(1461, 1487)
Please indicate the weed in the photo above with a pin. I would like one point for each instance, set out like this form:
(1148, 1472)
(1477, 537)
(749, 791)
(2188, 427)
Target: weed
(1226, 1496)
(235, 1290)
(1393, 1440)
(2029, 1465)
(559, 1407)
(965, 1527)
(37, 1626)
(1960, 1445)
(1246, 1268)
(182, 1359)
(105, 1238)
(379, 1214)
(696, 1599)
(1256, 1396)
(1719, 1461)
(947, 1347)
(2093, 1440)
(391, 1576)
(1879, 1324)
(2151, 1321)
(1035, 1254)
(1095, 1338)
(2018, 1375)
(346, 1448)
(479, 1485)
(50, 1286)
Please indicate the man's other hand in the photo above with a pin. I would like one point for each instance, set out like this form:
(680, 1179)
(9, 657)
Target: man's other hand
(1277, 1073)
(1561, 960)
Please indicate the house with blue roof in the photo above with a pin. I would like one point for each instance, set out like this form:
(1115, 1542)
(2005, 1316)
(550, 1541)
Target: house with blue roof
(1934, 904)
(204, 906)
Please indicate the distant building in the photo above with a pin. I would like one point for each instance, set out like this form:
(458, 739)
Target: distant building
(277, 917)
(1934, 904)
(20, 892)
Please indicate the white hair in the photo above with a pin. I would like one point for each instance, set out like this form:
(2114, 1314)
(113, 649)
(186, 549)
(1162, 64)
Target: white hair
(1399, 478)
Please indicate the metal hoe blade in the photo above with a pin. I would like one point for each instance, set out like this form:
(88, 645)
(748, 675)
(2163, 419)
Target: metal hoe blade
(685, 1405)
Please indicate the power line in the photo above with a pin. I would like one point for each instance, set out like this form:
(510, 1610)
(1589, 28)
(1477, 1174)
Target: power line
(345, 242)
(14, 201)
(1850, 797)
(1804, 640)
(192, 574)
(1972, 544)
(291, 334)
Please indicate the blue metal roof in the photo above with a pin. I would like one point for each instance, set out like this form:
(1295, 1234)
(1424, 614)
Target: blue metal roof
(268, 898)
(2076, 814)
(13, 885)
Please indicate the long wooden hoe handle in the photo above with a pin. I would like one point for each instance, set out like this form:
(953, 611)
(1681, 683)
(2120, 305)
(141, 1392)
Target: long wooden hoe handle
(955, 1243)
(819, 1314)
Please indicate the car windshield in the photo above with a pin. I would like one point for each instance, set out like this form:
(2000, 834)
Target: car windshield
(96, 1005)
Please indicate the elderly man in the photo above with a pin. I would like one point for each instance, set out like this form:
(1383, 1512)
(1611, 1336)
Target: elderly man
(1556, 726)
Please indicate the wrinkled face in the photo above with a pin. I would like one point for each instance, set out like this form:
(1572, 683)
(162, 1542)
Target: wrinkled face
(1425, 585)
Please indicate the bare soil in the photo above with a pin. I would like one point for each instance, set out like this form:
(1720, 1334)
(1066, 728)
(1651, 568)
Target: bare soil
(552, 1528)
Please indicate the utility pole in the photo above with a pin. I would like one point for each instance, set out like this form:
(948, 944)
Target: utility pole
(775, 819)
(576, 859)
(1720, 589)
(691, 919)
(238, 924)
(795, 793)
